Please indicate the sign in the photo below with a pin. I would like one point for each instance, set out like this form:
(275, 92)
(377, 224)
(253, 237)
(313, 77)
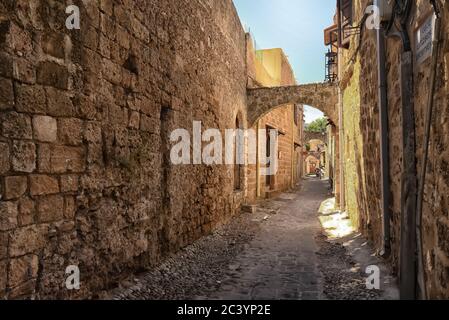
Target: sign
(424, 39)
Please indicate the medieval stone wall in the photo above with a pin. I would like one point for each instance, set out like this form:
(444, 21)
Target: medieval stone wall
(86, 117)
(436, 193)
(362, 152)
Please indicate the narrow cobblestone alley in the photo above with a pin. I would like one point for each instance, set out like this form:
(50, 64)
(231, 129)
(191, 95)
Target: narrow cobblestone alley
(224, 150)
(273, 254)
(281, 261)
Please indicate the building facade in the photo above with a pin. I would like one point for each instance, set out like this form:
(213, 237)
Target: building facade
(389, 78)
(271, 68)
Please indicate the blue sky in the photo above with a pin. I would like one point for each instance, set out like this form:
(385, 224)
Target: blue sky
(297, 27)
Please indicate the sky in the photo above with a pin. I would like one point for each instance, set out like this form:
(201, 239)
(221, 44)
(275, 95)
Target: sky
(297, 27)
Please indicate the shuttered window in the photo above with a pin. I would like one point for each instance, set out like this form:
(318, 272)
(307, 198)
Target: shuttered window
(346, 11)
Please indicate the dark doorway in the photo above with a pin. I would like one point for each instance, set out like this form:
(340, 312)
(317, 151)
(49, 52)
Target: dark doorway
(270, 179)
(237, 164)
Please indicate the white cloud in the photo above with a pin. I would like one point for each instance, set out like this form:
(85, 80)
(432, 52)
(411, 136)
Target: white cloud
(311, 114)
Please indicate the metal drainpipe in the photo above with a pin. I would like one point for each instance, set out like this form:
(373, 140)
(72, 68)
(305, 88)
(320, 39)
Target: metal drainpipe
(340, 110)
(384, 142)
(409, 175)
(422, 181)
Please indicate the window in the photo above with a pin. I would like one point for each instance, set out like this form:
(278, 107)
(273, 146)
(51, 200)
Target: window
(346, 22)
(346, 11)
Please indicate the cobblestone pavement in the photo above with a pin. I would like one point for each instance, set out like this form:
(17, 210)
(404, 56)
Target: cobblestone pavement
(279, 252)
(280, 263)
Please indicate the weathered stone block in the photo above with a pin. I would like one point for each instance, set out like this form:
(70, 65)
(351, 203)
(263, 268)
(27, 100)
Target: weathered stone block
(149, 107)
(23, 156)
(85, 108)
(112, 71)
(446, 63)
(107, 7)
(69, 183)
(27, 240)
(140, 31)
(45, 128)
(4, 29)
(30, 99)
(134, 120)
(8, 215)
(53, 75)
(123, 37)
(3, 273)
(4, 158)
(22, 270)
(107, 26)
(15, 187)
(27, 211)
(70, 131)
(118, 115)
(44, 158)
(50, 208)
(67, 159)
(92, 133)
(43, 185)
(90, 38)
(59, 103)
(6, 65)
(4, 246)
(443, 236)
(20, 40)
(16, 125)
(6, 94)
(149, 124)
(23, 291)
(442, 272)
(70, 208)
(54, 44)
(104, 46)
(24, 71)
(95, 154)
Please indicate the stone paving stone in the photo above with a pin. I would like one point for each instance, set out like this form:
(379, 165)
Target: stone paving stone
(283, 253)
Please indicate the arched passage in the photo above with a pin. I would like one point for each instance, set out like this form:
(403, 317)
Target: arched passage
(323, 96)
(315, 136)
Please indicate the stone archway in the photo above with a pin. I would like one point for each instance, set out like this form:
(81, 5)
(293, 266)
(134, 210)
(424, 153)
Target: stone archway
(308, 136)
(323, 96)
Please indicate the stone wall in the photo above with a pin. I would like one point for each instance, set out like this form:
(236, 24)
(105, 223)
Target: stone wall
(282, 120)
(86, 116)
(271, 68)
(308, 136)
(362, 168)
(436, 193)
(323, 96)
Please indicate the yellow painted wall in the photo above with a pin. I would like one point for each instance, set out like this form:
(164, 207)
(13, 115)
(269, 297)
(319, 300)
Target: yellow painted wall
(271, 63)
(353, 152)
(270, 68)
